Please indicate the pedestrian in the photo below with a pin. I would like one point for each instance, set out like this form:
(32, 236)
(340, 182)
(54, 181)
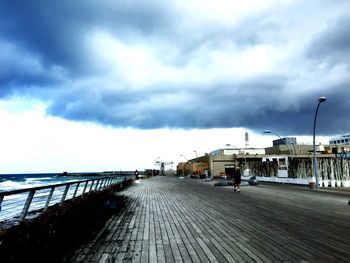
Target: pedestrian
(237, 178)
(136, 175)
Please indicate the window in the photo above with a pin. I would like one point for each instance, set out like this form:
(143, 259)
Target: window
(282, 165)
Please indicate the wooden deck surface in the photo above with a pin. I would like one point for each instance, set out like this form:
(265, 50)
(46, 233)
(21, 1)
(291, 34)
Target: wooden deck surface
(168, 219)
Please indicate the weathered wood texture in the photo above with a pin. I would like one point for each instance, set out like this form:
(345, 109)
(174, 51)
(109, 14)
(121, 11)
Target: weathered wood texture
(184, 220)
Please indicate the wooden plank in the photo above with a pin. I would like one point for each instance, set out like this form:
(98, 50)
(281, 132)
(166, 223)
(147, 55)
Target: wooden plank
(145, 251)
(206, 250)
(185, 256)
(169, 258)
(172, 220)
(130, 249)
(160, 253)
(136, 258)
(175, 251)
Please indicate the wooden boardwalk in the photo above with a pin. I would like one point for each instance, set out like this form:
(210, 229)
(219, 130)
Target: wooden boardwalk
(167, 219)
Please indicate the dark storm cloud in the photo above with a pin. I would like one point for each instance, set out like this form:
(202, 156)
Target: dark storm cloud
(55, 30)
(333, 44)
(222, 105)
(48, 56)
(257, 104)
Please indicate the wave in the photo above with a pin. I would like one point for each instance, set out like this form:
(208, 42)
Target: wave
(21, 181)
(31, 179)
(8, 183)
(13, 185)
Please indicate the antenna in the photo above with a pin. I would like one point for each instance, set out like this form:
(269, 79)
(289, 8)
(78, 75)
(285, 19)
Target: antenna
(246, 140)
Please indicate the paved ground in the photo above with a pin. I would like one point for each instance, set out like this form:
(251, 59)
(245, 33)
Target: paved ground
(185, 220)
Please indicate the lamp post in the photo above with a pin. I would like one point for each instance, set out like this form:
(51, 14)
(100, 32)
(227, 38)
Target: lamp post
(184, 157)
(284, 141)
(295, 151)
(320, 100)
(240, 152)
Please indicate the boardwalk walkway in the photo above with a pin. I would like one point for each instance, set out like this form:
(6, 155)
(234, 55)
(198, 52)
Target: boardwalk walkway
(185, 220)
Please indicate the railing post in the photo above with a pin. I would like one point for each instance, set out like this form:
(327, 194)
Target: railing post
(27, 204)
(76, 190)
(92, 183)
(86, 184)
(1, 199)
(64, 194)
(49, 198)
(98, 180)
(106, 181)
(101, 185)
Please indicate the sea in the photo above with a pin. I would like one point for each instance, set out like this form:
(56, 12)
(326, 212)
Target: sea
(21, 181)
(12, 205)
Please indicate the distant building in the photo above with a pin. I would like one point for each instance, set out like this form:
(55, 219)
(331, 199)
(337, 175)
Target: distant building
(294, 149)
(221, 161)
(284, 141)
(340, 140)
(193, 168)
(340, 144)
(237, 151)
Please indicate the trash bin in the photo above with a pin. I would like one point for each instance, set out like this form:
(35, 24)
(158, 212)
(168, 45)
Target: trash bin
(312, 185)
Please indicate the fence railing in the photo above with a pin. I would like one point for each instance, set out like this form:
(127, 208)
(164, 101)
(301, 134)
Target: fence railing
(18, 203)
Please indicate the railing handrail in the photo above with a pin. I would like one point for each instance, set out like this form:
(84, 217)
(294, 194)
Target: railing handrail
(102, 182)
(23, 190)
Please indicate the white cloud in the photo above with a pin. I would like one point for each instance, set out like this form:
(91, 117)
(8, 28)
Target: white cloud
(222, 11)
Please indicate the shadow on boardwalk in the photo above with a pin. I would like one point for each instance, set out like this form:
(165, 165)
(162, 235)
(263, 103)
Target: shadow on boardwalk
(168, 219)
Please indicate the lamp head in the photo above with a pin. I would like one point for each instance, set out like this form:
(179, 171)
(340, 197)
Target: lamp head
(266, 131)
(322, 99)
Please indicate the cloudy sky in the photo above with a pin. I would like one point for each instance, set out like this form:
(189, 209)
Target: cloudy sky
(90, 85)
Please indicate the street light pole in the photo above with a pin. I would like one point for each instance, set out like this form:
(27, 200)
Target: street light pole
(196, 153)
(184, 157)
(320, 100)
(284, 141)
(295, 151)
(239, 153)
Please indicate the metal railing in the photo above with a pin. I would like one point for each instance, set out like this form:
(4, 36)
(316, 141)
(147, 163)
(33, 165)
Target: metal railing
(16, 204)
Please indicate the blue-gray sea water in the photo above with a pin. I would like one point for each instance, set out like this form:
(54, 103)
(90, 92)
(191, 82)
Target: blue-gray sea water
(12, 205)
(19, 181)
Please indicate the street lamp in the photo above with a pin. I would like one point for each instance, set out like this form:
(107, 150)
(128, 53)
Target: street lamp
(195, 153)
(284, 141)
(295, 151)
(240, 152)
(320, 100)
(184, 157)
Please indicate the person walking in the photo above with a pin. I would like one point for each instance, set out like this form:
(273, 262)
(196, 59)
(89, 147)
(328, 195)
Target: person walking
(237, 178)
